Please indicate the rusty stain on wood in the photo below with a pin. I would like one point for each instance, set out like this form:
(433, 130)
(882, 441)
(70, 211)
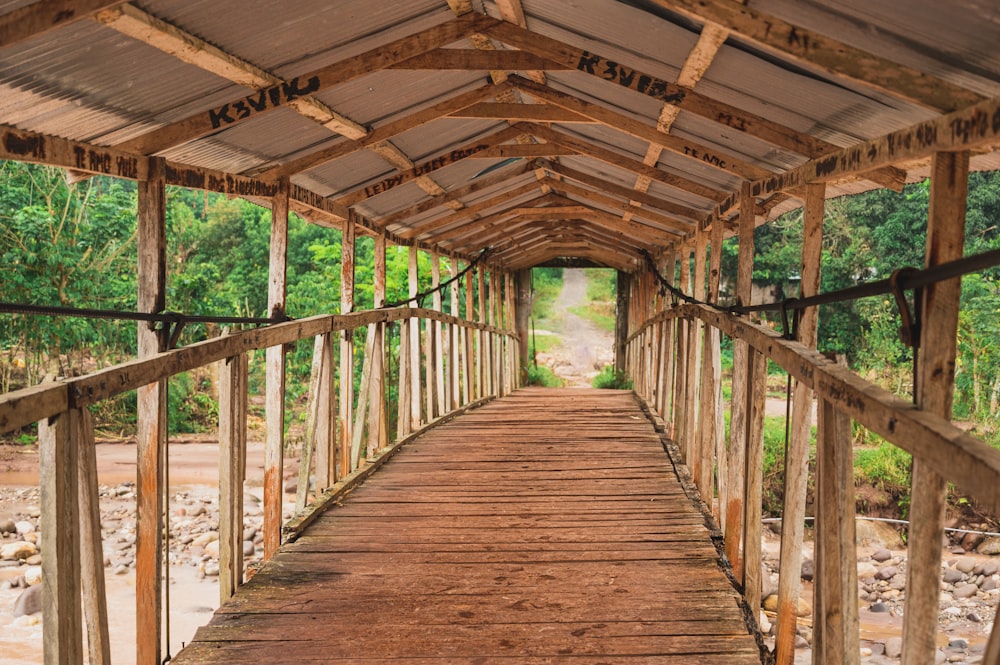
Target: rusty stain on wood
(562, 534)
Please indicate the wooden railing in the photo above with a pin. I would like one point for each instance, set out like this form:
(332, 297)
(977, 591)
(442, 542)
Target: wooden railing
(460, 364)
(728, 476)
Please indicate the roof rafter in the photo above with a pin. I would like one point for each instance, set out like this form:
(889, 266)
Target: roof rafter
(267, 99)
(41, 17)
(829, 55)
(471, 211)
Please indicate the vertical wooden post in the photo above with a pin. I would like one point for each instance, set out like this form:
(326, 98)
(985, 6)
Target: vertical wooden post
(95, 601)
(378, 435)
(621, 321)
(713, 426)
(454, 391)
(312, 417)
(232, 446)
(57, 461)
(522, 315)
(681, 433)
(468, 389)
(701, 457)
(491, 337)
(326, 438)
(667, 343)
(345, 416)
(756, 395)
(436, 405)
(403, 386)
(414, 283)
(482, 388)
(797, 458)
(151, 423)
(274, 405)
(741, 378)
(835, 589)
(934, 390)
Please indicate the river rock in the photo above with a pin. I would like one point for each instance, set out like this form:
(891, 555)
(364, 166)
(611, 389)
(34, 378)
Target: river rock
(212, 569)
(877, 534)
(966, 591)
(247, 548)
(7, 525)
(205, 538)
(878, 607)
(898, 583)
(989, 584)
(990, 568)
(808, 570)
(866, 570)
(952, 575)
(886, 573)
(971, 541)
(29, 602)
(966, 564)
(958, 644)
(803, 609)
(881, 555)
(894, 647)
(19, 549)
(33, 575)
(771, 603)
(212, 549)
(23, 527)
(990, 546)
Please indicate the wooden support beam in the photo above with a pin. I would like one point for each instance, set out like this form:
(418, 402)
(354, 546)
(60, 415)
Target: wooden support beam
(835, 586)
(734, 533)
(436, 380)
(651, 217)
(514, 112)
(934, 387)
(524, 150)
(355, 195)
(797, 456)
(39, 18)
(713, 425)
(274, 399)
(471, 211)
(267, 99)
(383, 132)
(681, 432)
(345, 413)
(378, 422)
(454, 388)
(618, 190)
(618, 160)
(58, 448)
(232, 470)
(142, 26)
(445, 59)
(826, 54)
(414, 353)
(95, 600)
(151, 424)
(646, 84)
(703, 452)
(591, 112)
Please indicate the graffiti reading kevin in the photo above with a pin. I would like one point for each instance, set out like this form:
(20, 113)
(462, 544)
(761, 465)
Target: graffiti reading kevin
(612, 71)
(264, 100)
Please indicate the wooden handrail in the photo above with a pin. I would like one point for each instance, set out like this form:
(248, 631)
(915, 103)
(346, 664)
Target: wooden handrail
(957, 455)
(29, 405)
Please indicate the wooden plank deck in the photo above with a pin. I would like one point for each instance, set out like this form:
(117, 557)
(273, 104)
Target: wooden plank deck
(545, 527)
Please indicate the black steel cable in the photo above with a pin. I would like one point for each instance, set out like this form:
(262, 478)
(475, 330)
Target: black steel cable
(911, 279)
(440, 287)
(121, 315)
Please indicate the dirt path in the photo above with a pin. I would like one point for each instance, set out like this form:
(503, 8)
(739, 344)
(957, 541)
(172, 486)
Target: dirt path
(584, 347)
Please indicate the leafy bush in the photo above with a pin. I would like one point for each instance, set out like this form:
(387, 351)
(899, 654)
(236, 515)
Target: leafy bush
(543, 376)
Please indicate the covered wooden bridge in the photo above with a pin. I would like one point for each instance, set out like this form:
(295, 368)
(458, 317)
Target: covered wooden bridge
(503, 135)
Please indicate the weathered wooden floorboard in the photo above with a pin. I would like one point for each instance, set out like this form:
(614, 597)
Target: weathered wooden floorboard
(545, 527)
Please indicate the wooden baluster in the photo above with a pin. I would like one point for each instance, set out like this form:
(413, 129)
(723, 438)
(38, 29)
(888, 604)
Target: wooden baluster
(681, 433)
(666, 344)
(935, 390)
(704, 386)
(435, 348)
(57, 464)
(95, 600)
(797, 458)
(713, 430)
(741, 378)
(312, 417)
(621, 321)
(454, 392)
(345, 416)
(151, 419)
(468, 389)
(403, 385)
(232, 446)
(482, 388)
(364, 391)
(756, 395)
(835, 589)
(701, 455)
(326, 438)
(378, 425)
(414, 354)
(491, 337)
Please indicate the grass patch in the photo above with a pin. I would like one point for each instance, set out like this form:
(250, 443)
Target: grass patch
(601, 314)
(543, 376)
(546, 285)
(607, 379)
